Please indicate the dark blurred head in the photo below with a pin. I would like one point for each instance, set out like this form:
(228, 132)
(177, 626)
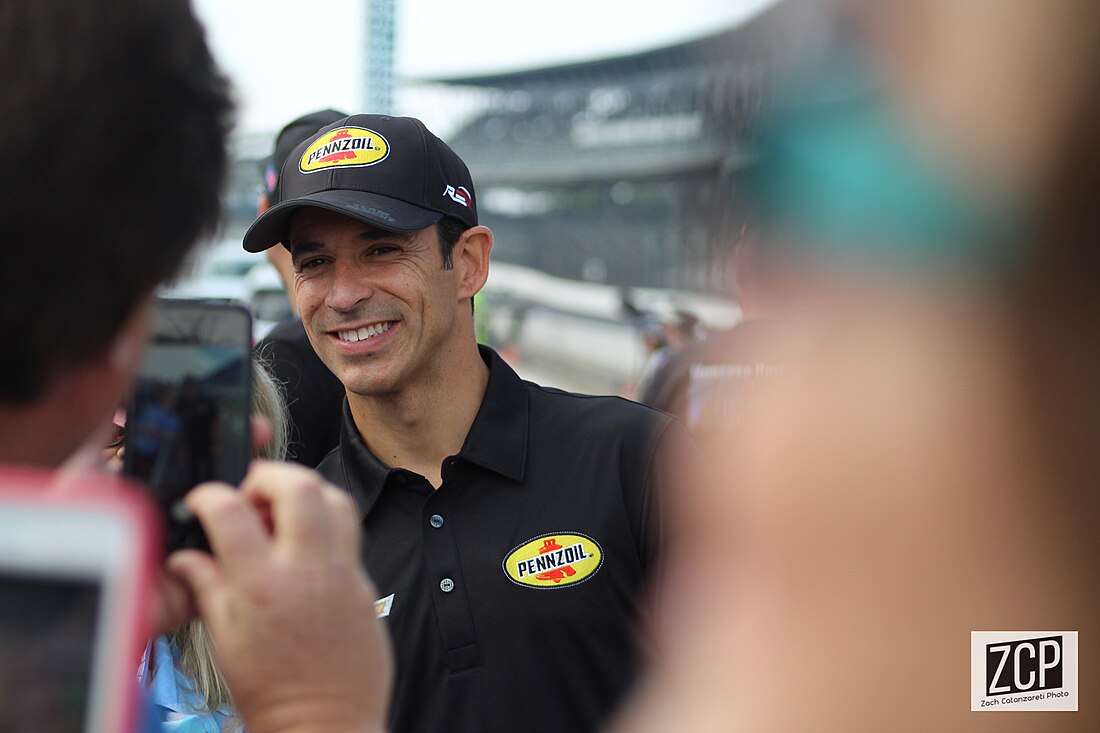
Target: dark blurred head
(293, 132)
(115, 119)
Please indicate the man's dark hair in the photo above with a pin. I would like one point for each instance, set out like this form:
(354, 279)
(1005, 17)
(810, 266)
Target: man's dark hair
(449, 231)
(114, 119)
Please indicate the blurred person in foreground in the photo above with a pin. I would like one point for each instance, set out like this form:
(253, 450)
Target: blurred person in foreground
(932, 471)
(511, 528)
(138, 97)
(313, 394)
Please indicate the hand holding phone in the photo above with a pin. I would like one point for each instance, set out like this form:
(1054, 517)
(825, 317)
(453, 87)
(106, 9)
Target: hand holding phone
(287, 601)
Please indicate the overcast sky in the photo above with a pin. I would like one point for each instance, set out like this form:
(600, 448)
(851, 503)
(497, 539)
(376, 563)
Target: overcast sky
(288, 57)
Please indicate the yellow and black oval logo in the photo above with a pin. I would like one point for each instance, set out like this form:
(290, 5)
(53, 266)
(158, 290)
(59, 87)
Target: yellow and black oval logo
(351, 147)
(554, 560)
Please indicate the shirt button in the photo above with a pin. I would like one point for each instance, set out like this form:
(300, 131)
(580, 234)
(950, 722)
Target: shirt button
(446, 585)
(436, 521)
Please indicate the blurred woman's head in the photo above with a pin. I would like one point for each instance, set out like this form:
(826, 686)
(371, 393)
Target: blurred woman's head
(932, 471)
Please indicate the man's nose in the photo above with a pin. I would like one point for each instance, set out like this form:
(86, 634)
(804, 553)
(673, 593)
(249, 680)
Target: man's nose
(349, 287)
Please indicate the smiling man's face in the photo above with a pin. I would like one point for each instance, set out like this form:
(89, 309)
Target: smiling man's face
(378, 307)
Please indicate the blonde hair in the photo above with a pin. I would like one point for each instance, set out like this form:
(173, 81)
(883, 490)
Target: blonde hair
(269, 400)
(196, 647)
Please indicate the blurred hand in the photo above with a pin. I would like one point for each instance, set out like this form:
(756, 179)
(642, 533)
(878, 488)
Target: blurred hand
(289, 607)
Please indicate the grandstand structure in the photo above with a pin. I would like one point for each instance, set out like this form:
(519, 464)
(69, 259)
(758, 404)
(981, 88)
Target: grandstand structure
(622, 170)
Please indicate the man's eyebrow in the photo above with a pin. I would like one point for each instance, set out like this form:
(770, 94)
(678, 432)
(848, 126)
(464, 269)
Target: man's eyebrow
(309, 246)
(298, 249)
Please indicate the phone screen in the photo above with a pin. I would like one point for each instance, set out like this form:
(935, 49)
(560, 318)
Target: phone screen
(47, 646)
(188, 418)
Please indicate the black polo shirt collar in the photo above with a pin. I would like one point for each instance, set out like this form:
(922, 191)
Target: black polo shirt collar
(497, 440)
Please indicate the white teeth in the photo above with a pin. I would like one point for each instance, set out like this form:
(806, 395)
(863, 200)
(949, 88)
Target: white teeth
(365, 332)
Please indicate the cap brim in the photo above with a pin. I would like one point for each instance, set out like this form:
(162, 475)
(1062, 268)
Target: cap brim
(380, 211)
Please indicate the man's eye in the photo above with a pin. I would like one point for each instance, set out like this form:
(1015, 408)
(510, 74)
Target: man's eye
(383, 249)
(311, 263)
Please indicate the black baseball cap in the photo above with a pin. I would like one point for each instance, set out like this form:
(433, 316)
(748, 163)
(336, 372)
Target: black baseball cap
(390, 172)
(292, 133)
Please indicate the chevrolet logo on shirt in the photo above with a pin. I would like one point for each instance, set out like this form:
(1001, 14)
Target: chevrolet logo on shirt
(383, 605)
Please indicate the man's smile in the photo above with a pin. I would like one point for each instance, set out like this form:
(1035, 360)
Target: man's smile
(364, 332)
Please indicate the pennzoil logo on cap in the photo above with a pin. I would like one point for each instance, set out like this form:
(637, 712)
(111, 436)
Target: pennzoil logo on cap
(345, 147)
(554, 560)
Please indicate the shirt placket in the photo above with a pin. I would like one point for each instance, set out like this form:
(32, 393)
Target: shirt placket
(448, 587)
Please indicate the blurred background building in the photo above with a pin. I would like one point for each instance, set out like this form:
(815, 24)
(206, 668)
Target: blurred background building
(620, 170)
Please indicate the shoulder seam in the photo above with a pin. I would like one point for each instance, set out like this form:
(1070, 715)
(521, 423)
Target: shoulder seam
(580, 396)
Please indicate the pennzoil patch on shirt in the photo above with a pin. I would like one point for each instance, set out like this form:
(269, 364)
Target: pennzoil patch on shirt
(554, 560)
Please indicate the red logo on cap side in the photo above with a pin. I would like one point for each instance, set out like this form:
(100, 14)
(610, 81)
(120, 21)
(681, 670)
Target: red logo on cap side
(459, 195)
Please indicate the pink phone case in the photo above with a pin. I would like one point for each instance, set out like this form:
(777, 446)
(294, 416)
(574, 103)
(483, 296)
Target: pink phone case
(103, 492)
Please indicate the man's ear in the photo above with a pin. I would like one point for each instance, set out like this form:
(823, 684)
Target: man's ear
(471, 260)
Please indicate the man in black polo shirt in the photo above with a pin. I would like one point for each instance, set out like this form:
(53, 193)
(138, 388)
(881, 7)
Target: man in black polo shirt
(508, 526)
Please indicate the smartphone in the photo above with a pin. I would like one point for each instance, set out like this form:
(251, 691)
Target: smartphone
(76, 568)
(187, 420)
